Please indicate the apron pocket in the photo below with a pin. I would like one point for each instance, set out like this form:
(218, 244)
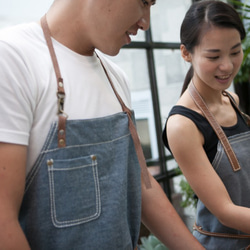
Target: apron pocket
(74, 191)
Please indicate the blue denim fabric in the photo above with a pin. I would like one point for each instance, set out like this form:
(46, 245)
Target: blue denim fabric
(88, 194)
(238, 186)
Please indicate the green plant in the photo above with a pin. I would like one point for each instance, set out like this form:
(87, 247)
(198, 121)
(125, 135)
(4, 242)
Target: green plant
(189, 197)
(243, 8)
(244, 74)
(152, 243)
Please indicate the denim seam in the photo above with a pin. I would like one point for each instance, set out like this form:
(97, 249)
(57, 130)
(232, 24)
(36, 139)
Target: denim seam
(40, 158)
(87, 145)
(233, 140)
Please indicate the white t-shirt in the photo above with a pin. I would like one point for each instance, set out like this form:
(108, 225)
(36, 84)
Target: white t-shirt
(28, 103)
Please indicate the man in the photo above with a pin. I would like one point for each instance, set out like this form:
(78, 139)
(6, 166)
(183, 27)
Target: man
(69, 172)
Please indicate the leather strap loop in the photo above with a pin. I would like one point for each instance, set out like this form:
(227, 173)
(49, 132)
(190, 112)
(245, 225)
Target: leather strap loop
(221, 235)
(61, 131)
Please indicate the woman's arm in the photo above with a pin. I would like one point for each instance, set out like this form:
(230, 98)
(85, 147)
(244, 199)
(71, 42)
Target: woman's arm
(186, 143)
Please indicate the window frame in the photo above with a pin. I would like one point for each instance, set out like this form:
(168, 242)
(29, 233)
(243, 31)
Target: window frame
(165, 176)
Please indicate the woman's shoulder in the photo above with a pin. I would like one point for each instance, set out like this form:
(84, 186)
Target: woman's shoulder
(182, 119)
(188, 113)
(233, 96)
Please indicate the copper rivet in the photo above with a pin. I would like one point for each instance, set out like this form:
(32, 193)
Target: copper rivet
(61, 141)
(93, 157)
(61, 132)
(50, 162)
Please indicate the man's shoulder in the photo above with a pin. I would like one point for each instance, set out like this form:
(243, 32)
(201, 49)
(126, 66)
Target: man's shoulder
(18, 35)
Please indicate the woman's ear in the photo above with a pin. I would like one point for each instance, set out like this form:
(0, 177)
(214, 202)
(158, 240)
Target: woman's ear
(186, 55)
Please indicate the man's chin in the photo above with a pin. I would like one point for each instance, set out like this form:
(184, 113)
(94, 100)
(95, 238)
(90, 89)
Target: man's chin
(110, 52)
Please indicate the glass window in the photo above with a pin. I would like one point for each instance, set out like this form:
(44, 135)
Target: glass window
(170, 71)
(140, 37)
(134, 63)
(166, 18)
(16, 11)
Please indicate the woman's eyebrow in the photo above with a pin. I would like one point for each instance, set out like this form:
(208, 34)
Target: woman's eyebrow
(217, 50)
(236, 45)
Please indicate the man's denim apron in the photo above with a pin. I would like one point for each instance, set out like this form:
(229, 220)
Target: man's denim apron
(88, 192)
(86, 195)
(238, 187)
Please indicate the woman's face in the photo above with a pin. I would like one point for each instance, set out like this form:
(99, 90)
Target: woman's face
(218, 57)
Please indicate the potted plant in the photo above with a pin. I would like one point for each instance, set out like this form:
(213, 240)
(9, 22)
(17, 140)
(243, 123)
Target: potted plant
(152, 243)
(189, 197)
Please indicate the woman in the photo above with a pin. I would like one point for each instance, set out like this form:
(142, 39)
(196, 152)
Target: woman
(69, 172)
(211, 36)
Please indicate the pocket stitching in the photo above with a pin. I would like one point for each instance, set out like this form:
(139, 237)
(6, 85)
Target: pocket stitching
(68, 223)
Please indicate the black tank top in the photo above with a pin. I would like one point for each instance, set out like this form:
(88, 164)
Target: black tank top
(210, 137)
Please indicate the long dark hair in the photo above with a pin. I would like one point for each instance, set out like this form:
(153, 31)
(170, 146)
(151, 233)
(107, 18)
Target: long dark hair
(202, 15)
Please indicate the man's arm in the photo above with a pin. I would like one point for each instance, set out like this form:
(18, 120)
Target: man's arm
(12, 183)
(160, 217)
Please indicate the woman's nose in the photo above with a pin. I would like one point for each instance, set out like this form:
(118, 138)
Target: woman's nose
(226, 65)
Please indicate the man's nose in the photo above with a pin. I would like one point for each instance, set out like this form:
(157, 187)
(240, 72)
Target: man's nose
(144, 22)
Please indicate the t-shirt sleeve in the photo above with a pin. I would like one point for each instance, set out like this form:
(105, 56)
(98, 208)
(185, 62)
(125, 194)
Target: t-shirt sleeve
(16, 96)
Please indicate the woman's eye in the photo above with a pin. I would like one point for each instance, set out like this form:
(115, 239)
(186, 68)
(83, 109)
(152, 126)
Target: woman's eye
(145, 2)
(213, 57)
(236, 53)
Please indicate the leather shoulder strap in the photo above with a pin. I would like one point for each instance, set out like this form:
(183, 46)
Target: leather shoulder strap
(217, 128)
(245, 116)
(133, 132)
(62, 117)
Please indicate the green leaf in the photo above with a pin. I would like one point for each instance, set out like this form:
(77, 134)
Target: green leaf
(161, 247)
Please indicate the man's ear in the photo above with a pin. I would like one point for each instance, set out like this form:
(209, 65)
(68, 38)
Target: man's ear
(186, 55)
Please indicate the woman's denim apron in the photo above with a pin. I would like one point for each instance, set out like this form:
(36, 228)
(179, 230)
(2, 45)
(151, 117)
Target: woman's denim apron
(238, 187)
(86, 195)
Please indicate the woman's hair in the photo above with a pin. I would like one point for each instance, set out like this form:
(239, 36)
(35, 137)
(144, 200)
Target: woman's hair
(199, 18)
